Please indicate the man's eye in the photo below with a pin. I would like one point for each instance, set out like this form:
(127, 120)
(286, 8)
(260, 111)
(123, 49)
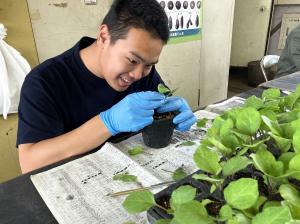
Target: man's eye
(132, 61)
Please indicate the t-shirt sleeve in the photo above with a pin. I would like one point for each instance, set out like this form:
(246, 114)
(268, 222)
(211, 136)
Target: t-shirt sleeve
(39, 118)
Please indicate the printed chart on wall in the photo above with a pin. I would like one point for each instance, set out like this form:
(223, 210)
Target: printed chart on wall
(184, 19)
(289, 22)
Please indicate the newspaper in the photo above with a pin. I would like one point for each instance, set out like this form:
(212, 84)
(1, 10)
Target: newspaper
(220, 108)
(77, 192)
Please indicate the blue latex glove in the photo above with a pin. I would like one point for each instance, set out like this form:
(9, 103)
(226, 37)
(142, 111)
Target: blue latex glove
(185, 119)
(132, 113)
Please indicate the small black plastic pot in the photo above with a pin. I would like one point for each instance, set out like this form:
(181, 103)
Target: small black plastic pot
(155, 213)
(159, 133)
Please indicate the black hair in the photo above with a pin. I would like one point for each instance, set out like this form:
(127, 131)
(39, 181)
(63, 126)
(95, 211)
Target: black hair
(141, 14)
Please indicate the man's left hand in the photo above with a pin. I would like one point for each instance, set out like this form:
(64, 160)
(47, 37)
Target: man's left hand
(185, 119)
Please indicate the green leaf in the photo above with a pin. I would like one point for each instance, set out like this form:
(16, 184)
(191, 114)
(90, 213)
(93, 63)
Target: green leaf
(294, 165)
(226, 212)
(296, 141)
(182, 195)
(139, 201)
(248, 121)
(254, 102)
(163, 89)
(253, 210)
(163, 221)
(207, 160)
(202, 176)
(285, 158)
(271, 93)
(187, 143)
(242, 193)
(290, 100)
(266, 162)
(283, 144)
(136, 150)
(239, 218)
(192, 213)
(179, 173)
(220, 147)
(287, 117)
(201, 122)
(273, 126)
(273, 215)
(235, 164)
(125, 177)
(290, 194)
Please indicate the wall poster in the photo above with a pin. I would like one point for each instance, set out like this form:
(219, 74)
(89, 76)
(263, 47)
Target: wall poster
(184, 19)
(289, 22)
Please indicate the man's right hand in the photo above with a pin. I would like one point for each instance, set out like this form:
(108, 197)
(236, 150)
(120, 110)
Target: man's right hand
(132, 113)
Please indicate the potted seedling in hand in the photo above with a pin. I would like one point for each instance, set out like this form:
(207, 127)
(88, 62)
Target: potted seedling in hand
(159, 133)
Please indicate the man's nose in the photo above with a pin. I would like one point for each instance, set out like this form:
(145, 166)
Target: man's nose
(137, 72)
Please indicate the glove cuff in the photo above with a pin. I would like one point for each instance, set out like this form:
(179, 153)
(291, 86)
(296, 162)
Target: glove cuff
(105, 119)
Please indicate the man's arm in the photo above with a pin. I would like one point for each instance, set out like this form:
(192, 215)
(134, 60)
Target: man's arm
(78, 141)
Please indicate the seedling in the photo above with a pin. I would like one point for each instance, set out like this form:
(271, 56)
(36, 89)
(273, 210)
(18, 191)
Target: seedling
(161, 88)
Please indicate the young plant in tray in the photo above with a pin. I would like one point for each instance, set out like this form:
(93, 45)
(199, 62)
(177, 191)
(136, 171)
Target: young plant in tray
(159, 133)
(249, 168)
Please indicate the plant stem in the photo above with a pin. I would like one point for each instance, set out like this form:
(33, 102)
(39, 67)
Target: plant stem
(161, 207)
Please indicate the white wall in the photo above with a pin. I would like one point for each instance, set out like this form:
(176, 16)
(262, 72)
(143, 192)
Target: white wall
(215, 50)
(250, 31)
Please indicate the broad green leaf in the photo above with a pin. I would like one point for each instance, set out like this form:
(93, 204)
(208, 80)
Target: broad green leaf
(215, 127)
(287, 117)
(207, 160)
(271, 93)
(295, 162)
(273, 126)
(139, 201)
(125, 177)
(182, 195)
(163, 221)
(269, 114)
(290, 194)
(295, 125)
(246, 139)
(294, 165)
(254, 102)
(235, 164)
(226, 212)
(163, 89)
(179, 173)
(254, 209)
(290, 100)
(266, 162)
(273, 215)
(228, 139)
(271, 204)
(239, 218)
(242, 193)
(202, 176)
(285, 158)
(192, 213)
(248, 121)
(283, 144)
(136, 150)
(201, 122)
(287, 130)
(220, 147)
(296, 141)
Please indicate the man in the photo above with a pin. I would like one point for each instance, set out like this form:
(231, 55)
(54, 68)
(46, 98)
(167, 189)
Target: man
(74, 102)
(289, 61)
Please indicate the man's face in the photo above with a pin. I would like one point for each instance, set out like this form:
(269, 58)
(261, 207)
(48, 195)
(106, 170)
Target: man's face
(130, 59)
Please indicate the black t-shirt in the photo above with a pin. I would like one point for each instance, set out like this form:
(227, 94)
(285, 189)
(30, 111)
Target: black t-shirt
(61, 94)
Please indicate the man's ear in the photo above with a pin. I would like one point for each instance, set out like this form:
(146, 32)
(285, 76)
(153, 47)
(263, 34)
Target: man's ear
(103, 36)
